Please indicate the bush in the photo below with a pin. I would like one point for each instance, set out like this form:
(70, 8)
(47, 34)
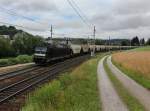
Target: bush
(24, 59)
(4, 62)
(13, 61)
(17, 60)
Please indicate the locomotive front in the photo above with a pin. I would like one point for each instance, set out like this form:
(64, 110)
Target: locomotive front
(40, 55)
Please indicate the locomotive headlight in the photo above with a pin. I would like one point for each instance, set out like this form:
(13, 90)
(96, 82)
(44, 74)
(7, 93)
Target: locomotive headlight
(39, 55)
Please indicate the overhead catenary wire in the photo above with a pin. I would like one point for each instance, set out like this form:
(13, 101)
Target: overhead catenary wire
(72, 4)
(75, 4)
(78, 13)
(11, 12)
(20, 26)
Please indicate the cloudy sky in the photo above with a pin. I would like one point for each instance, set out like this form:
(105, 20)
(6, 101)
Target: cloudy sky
(114, 18)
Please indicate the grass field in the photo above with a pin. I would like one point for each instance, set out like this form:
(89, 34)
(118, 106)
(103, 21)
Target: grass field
(135, 64)
(75, 90)
(146, 48)
(132, 103)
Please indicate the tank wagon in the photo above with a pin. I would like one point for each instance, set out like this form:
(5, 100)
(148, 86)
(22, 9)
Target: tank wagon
(59, 51)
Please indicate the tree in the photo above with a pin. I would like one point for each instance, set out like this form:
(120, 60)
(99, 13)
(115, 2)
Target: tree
(25, 43)
(125, 42)
(142, 41)
(148, 42)
(11, 31)
(6, 50)
(135, 41)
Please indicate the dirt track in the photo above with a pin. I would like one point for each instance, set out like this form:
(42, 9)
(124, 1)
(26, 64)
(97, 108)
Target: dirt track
(109, 97)
(138, 91)
(13, 67)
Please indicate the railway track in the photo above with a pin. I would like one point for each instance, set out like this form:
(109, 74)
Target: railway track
(16, 73)
(18, 87)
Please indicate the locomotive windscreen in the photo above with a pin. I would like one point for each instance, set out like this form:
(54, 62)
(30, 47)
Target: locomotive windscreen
(40, 50)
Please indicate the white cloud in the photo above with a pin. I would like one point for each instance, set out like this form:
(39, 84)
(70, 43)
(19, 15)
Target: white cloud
(116, 18)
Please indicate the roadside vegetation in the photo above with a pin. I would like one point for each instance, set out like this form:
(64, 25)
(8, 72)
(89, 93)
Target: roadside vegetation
(135, 64)
(16, 60)
(144, 48)
(14, 42)
(132, 103)
(75, 90)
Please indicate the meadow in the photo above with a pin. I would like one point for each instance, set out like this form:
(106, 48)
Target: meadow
(135, 64)
(132, 103)
(75, 90)
(144, 48)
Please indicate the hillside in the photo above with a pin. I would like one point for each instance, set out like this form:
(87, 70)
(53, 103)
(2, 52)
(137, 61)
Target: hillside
(10, 30)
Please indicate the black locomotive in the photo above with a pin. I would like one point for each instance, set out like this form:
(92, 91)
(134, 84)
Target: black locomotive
(51, 52)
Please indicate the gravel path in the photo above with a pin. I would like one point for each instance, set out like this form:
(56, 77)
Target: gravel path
(109, 97)
(138, 91)
(13, 67)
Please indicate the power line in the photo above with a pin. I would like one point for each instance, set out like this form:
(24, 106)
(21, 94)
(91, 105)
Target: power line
(11, 12)
(78, 13)
(80, 10)
(19, 26)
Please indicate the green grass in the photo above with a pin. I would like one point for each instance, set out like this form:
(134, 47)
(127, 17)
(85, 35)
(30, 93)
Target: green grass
(139, 78)
(16, 60)
(144, 48)
(132, 103)
(75, 90)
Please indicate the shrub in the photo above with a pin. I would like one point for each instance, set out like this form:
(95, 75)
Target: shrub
(17, 60)
(13, 61)
(4, 62)
(24, 59)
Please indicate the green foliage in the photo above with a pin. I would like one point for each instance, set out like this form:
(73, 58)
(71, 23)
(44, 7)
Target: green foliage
(24, 59)
(22, 43)
(25, 43)
(125, 43)
(4, 62)
(142, 42)
(11, 31)
(148, 42)
(146, 48)
(135, 41)
(6, 49)
(17, 60)
(132, 103)
(73, 91)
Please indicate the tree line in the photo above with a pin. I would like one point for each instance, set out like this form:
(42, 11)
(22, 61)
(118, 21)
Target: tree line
(18, 42)
(135, 41)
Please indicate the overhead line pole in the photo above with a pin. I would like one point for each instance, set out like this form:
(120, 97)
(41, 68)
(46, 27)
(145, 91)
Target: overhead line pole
(109, 43)
(94, 35)
(51, 31)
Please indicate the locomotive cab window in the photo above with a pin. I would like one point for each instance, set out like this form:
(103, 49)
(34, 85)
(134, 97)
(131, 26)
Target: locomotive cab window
(41, 50)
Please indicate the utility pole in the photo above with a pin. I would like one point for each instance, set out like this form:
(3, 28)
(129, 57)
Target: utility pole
(109, 43)
(130, 42)
(94, 34)
(51, 31)
(93, 51)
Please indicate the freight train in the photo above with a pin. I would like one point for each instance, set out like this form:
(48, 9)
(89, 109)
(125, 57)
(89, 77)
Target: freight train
(58, 51)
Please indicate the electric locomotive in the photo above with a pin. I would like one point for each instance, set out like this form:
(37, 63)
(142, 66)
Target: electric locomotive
(51, 52)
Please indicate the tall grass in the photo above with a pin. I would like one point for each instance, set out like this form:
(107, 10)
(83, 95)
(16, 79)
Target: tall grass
(144, 48)
(132, 103)
(135, 64)
(75, 90)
